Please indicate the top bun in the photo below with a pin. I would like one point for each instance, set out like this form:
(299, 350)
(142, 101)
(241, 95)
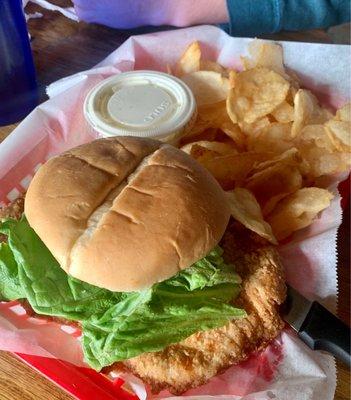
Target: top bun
(124, 213)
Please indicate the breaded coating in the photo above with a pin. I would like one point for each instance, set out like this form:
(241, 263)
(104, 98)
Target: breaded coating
(203, 355)
(13, 210)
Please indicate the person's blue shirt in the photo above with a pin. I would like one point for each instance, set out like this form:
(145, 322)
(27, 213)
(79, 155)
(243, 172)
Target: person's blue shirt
(256, 17)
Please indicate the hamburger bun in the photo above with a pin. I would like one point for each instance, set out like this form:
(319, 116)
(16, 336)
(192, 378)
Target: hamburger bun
(124, 213)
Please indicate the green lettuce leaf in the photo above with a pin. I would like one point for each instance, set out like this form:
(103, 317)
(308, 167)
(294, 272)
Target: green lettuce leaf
(49, 290)
(10, 287)
(209, 271)
(153, 325)
(117, 326)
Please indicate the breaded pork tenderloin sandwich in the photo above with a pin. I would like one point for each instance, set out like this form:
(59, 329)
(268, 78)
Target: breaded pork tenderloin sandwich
(132, 239)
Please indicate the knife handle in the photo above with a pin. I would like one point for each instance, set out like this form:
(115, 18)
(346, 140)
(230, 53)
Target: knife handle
(321, 330)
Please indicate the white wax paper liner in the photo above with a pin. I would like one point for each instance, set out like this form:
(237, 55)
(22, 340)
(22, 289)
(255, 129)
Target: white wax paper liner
(287, 369)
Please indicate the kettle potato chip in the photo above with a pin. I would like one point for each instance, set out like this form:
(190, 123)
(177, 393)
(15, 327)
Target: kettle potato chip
(215, 113)
(233, 131)
(344, 114)
(289, 157)
(298, 210)
(232, 76)
(256, 93)
(321, 162)
(256, 127)
(269, 55)
(340, 134)
(202, 132)
(208, 87)
(207, 65)
(284, 113)
(190, 60)
(318, 135)
(307, 111)
(275, 181)
(245, 209)
(218, 147)
(273, 137)
(232, 167)
(231, 103)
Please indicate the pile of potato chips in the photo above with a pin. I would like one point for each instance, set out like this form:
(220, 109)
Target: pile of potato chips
(266, 140)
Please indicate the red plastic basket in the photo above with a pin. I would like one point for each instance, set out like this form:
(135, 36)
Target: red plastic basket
(81, 383)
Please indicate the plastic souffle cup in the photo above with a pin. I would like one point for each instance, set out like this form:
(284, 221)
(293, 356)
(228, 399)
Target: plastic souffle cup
(146, 104)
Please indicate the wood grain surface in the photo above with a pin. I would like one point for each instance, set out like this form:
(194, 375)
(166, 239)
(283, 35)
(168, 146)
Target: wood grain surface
(62, 47)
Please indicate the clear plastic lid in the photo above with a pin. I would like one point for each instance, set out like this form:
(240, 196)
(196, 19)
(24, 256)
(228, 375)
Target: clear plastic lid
(140, 103)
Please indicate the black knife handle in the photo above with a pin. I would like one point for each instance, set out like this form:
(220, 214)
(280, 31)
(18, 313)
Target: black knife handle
(321, 330)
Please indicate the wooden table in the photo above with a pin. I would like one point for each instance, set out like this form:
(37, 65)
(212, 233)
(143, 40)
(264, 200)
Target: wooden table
(62, 47)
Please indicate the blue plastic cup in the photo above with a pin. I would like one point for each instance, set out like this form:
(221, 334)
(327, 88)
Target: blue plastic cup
(18, 87)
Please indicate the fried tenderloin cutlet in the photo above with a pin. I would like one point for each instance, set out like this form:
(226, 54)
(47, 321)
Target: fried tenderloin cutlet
(195, 360)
